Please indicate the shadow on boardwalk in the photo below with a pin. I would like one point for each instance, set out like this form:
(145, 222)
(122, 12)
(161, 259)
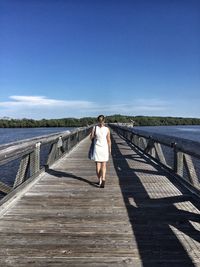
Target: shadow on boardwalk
(153, 219)
(61, 174)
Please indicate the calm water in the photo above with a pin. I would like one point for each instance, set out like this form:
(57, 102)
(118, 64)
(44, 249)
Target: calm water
(187, 132)
(8, 135)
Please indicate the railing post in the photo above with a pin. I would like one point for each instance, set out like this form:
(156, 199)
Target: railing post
(68, 144)
(150, 147)
(152, 152)
(160, 153)
(76, 139)
(59, 146)
(35, 160)
(139, 142)
(178, 161)
(191, 172)
(5, 188)
(22, 171)
(135, 140)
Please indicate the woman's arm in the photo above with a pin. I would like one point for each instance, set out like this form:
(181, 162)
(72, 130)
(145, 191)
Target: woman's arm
(92, 133)
(109, 140)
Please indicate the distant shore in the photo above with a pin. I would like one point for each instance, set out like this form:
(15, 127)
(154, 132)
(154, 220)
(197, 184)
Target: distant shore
(85, 121)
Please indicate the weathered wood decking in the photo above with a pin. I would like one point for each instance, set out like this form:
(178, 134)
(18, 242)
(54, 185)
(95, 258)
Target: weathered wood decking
(141, 218)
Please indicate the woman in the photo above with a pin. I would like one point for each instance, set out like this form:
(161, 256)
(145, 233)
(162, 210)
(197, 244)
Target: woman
(102, 148)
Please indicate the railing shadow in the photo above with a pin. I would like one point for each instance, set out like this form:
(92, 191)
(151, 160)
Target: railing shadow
(153, 219)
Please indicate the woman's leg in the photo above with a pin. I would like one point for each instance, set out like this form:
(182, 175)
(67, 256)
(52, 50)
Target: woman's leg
(98, 170)
(103, 170)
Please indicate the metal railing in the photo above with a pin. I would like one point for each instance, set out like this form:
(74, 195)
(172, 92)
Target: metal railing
(24, 159)
(180, 156)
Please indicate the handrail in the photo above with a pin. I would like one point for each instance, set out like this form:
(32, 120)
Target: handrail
(179, 155)
(11, 150)
(187, 146)
(29, 153)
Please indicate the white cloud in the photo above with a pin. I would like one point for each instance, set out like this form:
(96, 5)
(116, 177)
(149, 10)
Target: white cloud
(42, 101)
(38, 107)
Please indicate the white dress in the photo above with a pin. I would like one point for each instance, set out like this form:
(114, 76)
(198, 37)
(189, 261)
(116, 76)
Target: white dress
(101, 152)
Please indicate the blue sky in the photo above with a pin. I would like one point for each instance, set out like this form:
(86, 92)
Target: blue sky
(76, 58)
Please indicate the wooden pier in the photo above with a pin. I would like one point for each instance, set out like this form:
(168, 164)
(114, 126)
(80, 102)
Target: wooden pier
(143, 216)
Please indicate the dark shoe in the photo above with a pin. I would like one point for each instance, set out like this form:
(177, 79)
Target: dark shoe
(102, 185)
(96, 184)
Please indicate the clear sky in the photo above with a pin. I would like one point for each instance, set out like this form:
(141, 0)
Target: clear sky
(76, 58)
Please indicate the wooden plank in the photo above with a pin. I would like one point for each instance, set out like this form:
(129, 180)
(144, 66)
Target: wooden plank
(62, 260)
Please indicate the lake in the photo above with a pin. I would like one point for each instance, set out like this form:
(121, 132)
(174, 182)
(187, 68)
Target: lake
(8, 135)
(191, 132)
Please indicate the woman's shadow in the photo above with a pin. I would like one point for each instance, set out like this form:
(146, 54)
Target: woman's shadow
(61, 174)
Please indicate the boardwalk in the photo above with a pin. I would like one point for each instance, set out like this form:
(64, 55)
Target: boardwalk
(141, 218)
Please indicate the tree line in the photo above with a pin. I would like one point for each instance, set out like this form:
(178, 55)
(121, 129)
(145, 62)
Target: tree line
(75, 122)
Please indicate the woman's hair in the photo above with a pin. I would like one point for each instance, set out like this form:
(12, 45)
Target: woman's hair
(101, 118)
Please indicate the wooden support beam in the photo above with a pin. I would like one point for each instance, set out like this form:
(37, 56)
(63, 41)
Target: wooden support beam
(149, 146)
(160, 153)
(136, 140)
(5, 188)
(52, 154)
(132, 138)
(59, 147)
(22, 171)
(191, 172)
(152, 152)
(66, 145)
(143, 143)
(35, 160)
(178, 162)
